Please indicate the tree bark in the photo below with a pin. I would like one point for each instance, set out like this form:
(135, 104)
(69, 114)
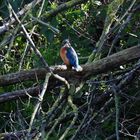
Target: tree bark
(97, 67)
(34, 91)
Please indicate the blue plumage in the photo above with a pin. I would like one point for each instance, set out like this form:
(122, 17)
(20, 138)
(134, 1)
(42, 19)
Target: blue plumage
(69, 56)
(72, 56)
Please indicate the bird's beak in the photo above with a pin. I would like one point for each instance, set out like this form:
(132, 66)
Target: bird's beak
(68, 44)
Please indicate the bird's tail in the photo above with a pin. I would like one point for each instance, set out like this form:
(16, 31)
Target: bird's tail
(78, 68)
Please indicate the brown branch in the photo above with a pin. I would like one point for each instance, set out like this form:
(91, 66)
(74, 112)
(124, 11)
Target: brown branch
(31, 75)
(100, 66)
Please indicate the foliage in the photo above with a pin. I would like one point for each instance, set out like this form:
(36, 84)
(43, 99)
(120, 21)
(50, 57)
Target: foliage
(89, 26)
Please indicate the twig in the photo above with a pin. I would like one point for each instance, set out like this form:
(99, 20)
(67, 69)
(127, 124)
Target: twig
(41, 8)
(94, 115)
(117, 110)
(30, 40)
(90, 100)
(63, 7)
(123, 25)
(27, 45)
(62, 79)
(75, 110)
(5, 27)
(33, 91)
(127, 12)
(58, 104)
(52, 112)
(113, 7)
(39, 101)
(126, 134)
(55, 30)
(6, 41)
(119, 32)
(23, 56)
(79, 33)
(56, 122)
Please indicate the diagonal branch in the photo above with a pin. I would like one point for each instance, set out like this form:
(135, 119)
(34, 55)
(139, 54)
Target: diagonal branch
(75, 111)
(63, 7)
(49, 14)
(12, 20)
(30, 40)
(33, 91)
(37, 107)
(97, 67)
(27, 44)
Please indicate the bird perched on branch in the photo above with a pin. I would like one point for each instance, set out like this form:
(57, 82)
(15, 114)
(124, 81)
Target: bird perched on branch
(69, 56)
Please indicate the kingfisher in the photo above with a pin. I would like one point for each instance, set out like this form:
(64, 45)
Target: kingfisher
(69, 56)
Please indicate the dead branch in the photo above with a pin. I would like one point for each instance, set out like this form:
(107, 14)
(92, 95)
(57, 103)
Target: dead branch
(94, 68)
(29, 39)
(49, 14)
(33, 91)
(12, 20)
(38, 104)
(95, 102)
(100, 66)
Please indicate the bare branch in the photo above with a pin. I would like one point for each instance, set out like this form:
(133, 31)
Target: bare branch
(39, 102)
(34, 91)
(49, 14)
(100, 66)
(75, 111)
(30, 40)
(6, 26)
(27, 45)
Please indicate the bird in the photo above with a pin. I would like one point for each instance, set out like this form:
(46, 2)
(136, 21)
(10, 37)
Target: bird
(69, 56)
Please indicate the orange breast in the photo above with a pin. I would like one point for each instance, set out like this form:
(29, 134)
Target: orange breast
(63, 52)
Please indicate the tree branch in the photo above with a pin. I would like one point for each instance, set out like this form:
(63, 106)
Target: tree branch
(49, 14)
(33, 91)
(38, 104)
(12, 20)
(63, 7)
(100, 66)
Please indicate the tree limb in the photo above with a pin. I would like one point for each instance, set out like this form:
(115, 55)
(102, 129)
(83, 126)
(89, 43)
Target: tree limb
(63, 7)
(49, 14)
(33, 91)
(38, 104)
(12, 20)
(100, 66)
